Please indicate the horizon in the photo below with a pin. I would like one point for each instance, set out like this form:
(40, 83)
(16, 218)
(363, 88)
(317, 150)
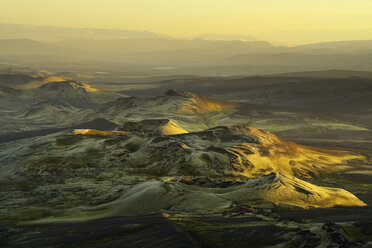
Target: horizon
(288, 22)
(165, 35)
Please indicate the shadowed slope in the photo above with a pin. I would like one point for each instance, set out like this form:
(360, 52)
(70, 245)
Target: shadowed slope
(268, 191)
(172, 102)
(153, 126)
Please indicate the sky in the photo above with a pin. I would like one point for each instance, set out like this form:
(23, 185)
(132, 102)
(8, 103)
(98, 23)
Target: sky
(282, 21)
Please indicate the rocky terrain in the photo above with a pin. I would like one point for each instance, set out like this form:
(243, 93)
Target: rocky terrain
(33, 103)
(83, 166)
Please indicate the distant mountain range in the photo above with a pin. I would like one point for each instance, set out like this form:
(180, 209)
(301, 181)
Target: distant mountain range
(51, 33)
(227, 37)
(156, 54)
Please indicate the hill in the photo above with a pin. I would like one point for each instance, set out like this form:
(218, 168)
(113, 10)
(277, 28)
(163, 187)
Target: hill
(199, 172)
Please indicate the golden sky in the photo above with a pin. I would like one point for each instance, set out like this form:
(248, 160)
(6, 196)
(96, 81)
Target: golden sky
(283, 21)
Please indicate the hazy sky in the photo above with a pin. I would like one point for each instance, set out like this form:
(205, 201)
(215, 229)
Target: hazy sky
(287, 21)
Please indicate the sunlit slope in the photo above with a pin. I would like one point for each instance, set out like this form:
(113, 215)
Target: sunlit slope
(171, 102)
(117, 172)
(192, 111)
(274, 154)
(205, 196)
(199, 104)
(166, 149)
(52, 79)
(197, 113)
(153, 126)
(99, 133)
(36, 103)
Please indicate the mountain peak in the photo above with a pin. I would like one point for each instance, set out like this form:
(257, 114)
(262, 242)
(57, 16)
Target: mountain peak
(58, 84)
(153, 126)
(173, 92)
